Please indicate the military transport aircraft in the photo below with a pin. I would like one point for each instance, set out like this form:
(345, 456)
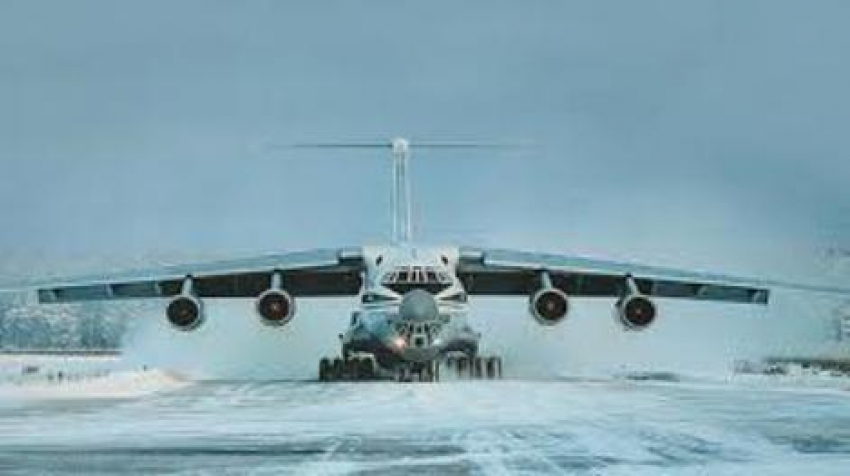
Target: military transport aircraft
(413, 299)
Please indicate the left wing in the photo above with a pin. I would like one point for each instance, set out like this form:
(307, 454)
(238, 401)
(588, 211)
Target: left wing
(323, 272)
(507, 272)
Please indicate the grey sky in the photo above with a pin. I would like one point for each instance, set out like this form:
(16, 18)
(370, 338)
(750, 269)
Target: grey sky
(709, 134)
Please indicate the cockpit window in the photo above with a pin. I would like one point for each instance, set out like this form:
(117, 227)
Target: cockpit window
(406, 278)
(369, 298)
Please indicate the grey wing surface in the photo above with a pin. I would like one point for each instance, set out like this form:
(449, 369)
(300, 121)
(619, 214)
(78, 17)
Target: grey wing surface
(315, 273)
(508, 272)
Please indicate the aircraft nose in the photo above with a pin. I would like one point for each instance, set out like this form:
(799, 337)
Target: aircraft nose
(418, 305)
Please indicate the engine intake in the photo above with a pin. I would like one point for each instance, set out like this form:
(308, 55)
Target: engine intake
(275, 306)
(549, 305)
(185, 313)
(635, 311)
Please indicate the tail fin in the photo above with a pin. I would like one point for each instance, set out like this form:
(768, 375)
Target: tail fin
(400, 149)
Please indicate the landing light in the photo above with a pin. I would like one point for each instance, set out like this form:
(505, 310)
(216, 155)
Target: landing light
(399, 343)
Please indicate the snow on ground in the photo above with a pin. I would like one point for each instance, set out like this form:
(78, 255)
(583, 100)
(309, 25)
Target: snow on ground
(122, 384)
(24, 378)
(149, 422)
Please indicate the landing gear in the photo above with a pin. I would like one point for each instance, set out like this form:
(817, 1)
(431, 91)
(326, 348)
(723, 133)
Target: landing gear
(424, 372)
(324, 370)
(352, 368)
(364, 367)
(480, 368)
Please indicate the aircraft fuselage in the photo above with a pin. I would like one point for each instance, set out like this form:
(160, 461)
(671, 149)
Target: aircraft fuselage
(413, 307)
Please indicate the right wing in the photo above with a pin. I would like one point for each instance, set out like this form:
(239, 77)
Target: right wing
(315, 273)
(510, 272)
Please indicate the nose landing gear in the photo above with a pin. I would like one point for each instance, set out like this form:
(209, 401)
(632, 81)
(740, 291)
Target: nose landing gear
(476, 368)
(420, 372)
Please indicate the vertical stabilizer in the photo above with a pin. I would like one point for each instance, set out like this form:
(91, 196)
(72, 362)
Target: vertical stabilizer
(401, 196)
(402, 220)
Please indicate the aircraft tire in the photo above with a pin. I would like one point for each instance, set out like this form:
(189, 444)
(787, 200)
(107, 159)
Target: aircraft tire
(351, 369)
(324, 370)
(452, 363)
(365, 369)
(477, 367)
(337, 369)
(462, 366)
(490, 368)
(427, 372)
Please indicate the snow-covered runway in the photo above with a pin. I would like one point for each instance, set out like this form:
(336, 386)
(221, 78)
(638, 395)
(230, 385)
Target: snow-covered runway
(609, 426)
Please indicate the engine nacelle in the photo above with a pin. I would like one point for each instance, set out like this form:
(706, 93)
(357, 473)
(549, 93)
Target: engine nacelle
(185, 312)
(636, 312)
(275, 307)
(548, 305)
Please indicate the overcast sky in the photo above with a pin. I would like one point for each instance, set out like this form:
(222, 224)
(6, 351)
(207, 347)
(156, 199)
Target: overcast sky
(708, 134)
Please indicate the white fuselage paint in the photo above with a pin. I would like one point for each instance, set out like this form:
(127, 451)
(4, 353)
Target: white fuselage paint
(380, 325)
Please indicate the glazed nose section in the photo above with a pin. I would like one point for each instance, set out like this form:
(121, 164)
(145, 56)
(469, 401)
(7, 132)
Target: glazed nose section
(418, 305)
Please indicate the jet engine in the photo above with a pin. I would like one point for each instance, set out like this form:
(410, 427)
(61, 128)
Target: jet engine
(275, 306)
(185, 312)
(635, 311)
(549, 305)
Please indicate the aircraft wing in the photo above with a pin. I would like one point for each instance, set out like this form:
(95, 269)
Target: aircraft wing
(507, 272)
(323, 272)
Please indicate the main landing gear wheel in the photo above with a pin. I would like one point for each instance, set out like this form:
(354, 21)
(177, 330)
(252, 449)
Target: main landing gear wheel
(338, 369)
(479, 368)
(325, 370)
(419, 372)
(366, 368)
(349, 369)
